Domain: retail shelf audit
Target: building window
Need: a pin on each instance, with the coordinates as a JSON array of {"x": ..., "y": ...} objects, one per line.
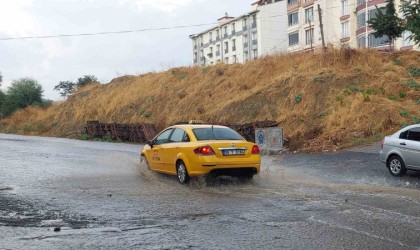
[
  {"x": 293, "y": 18},
  {"x": 254, "y": 21},
  {"x": 361, "y": 42},
  {"x": 201, "y": 40},
  {"x": 345, "y": 30},
  {"x": 234, "y": 59},
  {"x": 233, "y": 29},
  {"x": 245, "y": 41},
  {"x": 218, "y": 50},
  {"x": 293, "y": 38},
  {"x": 309, "y": 15},
  {"x": 376, "y": 42},
  {"x": 217, "y": 34},
  {"x": 195, "y": 57},
  {"x": 406, "y": 38},
  {"x": 359, "y": 2},
  {"x": 374, "y": 12},
  {"x": 344, "y": 7},
  {"x": 226, "y": 30},
  {"x": 226, "y": 60},
  {"x": 233, "y": 45},
  {"x": 226, "y": 47},
  {"x": 245, "y": 56},
  {"x": 292, "y": 2},
  {"x": 210, "y": 36},
  {"x": 244, "y": 24},
  {"x": 255, "y": 54},
  {"x": 309, "y": 36},
  {"x": 361, "y": 20}
]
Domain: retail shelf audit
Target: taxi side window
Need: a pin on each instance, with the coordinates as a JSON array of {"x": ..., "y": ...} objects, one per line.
[
  {"x": 186, "y": 138},
  {"x": 163, "y": 137},
  {"x": 404, "y": 135},
  {"x": 177, "y": 135}
]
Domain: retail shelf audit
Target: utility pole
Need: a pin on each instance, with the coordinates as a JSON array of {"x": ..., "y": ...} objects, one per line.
[{"x": 321, "y": 26}]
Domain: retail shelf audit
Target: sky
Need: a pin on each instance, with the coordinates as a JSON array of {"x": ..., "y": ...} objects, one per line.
[{"x": 52, "y": 60}]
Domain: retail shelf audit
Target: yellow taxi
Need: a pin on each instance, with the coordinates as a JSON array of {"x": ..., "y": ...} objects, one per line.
[{"x": 195, "y": 149}]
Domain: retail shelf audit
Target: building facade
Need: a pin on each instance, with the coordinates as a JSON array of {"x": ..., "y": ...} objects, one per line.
[
  {"x": 259, "y": 32},
  {"x": 344, "y": 24}
]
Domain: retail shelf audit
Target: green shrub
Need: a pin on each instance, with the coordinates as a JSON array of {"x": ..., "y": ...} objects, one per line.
[
  {"x": 319, "y": 79},
  {"x": 393, "y": 97},
  {"x": 403, "y": 113},
  {"x": 298, "y": 98},
  {"x": 403, "y": 95},
  {"x": 412, "y": 84},
  {"x": 415, "y": 119},
  {"x": 357, "y": 70},
  {"x": 415, "y": 72}
]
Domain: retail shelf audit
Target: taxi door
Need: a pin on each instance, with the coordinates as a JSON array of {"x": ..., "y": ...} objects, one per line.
[
  {"x": 157, "y": 152},
  {"x": 172, "y": 149}
]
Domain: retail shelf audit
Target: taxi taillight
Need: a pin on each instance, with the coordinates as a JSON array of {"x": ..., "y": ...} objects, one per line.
[
  {"x": 206, "y": 150},
  {"x": 255, "y": 149}
]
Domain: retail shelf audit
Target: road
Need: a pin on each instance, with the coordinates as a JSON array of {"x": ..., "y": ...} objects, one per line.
[{"x": 100, "y": 196}]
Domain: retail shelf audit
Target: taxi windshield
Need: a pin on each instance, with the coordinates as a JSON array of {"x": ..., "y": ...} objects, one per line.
[{"x": 205, "y": 134}]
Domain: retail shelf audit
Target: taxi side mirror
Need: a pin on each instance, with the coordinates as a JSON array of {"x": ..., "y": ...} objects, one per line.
[{"x": 150, "y": 143}]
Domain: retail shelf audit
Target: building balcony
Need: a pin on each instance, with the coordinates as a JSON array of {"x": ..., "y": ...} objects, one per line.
[
  {"x": 225, "y": 35},
  {"x": 217, "y": 38},
  {"x": 254, "y": 25},
  {"x": 307, "y": 3},
  {"x": 210, "y": 55},
  {"x": 343, "y": 18},
  {"x": 245, "y": 45},
  {"x": 195, "y": 46},
  {"x": 211, "y": 40},
  {"x": 234, "y": 48},
  {"x": 292, "y": 5},
  {"x": 254, "y": 42},
  {"x": 233, "y": 32},
  {"x": 244, "y": 28},
  {"x": 226, "y": 51},
  {"x": 217, "y": 53}
]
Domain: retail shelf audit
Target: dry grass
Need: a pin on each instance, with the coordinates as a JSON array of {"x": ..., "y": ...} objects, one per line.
[{"x": 323, "y": 101}]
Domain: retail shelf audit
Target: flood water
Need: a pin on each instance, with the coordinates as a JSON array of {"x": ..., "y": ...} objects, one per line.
[{"x": 99, "y": 196}]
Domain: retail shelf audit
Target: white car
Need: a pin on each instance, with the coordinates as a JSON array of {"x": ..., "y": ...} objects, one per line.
[{"x": 401, "y": 151}]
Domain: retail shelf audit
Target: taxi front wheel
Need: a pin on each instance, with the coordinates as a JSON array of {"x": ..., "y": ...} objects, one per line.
[{"x": 182, "y": 173}]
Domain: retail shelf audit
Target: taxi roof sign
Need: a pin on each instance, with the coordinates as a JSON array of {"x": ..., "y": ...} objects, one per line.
[{"x": 195, "y": 122}]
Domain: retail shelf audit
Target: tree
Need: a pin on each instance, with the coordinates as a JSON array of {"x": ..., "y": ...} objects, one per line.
[
  {"x": 21, "y": 94},
  {"x": 65, "y": 88},
  {"x": 1, "y": 78},
  {"x": 411, "y": 11},
  {"x": 388, "y": 24},
  {"x": 85, "y": 80}
]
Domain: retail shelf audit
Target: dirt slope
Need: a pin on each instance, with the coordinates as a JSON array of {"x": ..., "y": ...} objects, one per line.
[{"x": 323, "y": 102}]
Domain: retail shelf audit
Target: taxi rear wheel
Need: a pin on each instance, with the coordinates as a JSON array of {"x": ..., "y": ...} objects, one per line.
[{"x": 182, "y": 173}]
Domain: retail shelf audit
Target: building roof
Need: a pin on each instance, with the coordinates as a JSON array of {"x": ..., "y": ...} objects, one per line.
[{"x": 221, "y": 25}]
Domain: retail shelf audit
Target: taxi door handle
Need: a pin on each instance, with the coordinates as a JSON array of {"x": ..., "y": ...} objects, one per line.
[{"x": 403, "y": 143}]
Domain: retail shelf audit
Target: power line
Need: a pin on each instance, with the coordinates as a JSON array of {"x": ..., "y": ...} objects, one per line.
[{"x": 104, "y": 33}]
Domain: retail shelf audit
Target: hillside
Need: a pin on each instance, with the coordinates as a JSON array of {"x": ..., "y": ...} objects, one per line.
[{"x": 344, "y": 98}]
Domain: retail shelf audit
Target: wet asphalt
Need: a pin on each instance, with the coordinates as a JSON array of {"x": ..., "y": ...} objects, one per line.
[{"x": 69, "y": 194}]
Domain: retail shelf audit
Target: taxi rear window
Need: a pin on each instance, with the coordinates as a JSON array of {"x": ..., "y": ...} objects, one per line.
[{"x": 205, "y": 134}]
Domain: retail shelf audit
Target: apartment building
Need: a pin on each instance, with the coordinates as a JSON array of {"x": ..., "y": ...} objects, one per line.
[
  {"x": 344, "y": 23},
  {"x": 259, "y": 32}
]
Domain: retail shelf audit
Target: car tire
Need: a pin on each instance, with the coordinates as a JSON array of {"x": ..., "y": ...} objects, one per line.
[
  {"x": 246, "y": 178},
  {"x": 182, "y": 173},
  {"x": 396, "y": 166}
]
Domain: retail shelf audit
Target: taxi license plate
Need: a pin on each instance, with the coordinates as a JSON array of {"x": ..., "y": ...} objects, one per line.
[{"x": 229, "y": 152}]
